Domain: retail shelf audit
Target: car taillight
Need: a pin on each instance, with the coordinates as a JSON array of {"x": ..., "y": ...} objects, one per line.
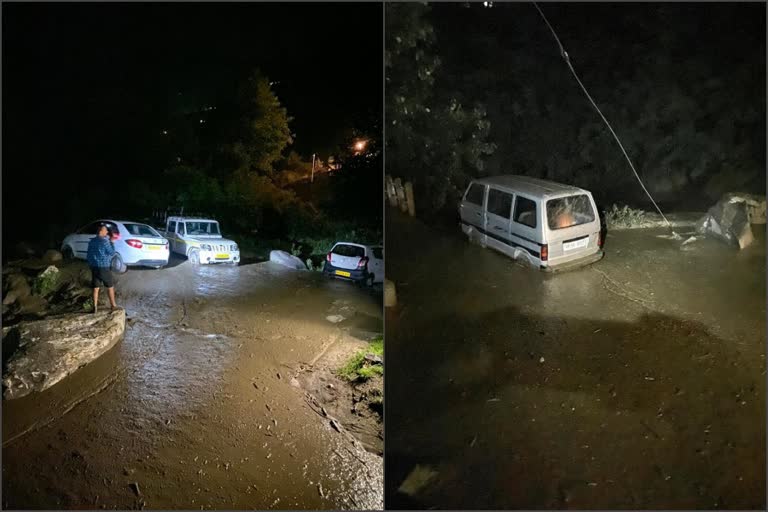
[
  {"x": 328, "y": 258},
  {"x": 135, "y": 243},
  {"x": 166, "y": 245},
  {"x": 363, "y": 262},
  {"x": 544, "y": 252}
]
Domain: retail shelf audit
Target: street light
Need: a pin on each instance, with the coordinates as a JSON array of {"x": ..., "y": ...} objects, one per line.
[{"x": 359, "y": 146}]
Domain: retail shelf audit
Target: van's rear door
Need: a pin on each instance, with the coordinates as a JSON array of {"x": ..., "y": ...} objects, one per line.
[{"x": 573, "y": 227}]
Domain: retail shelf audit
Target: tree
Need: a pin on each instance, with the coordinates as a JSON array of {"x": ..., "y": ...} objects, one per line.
[
  {"x": 432, "y": 139},
  {"x": 262, "y": 131}
]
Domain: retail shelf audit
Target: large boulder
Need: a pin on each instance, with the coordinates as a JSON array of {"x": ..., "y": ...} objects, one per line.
[
  {"x": 731, "y": 218},
  {"x": 37, "y": 355},
  {"x": 287, "y": 260},
  {"x": 52, "y": 256},
  {"x": 16, "y": 287}
]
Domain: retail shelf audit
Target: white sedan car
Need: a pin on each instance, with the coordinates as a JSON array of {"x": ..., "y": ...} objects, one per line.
[{"x": 136, "y": 244}]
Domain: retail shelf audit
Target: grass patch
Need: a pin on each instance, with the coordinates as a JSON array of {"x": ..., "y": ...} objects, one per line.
[{"x": 358, "y": 368}]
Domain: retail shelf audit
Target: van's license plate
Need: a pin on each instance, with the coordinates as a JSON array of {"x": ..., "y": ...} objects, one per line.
[
  {"x": 343, "y": 274},
  {"x": 576, "y": 244}
]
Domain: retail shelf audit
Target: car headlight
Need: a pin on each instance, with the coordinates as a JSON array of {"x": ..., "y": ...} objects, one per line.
[
  {"x": 234, "y": 247},
  {"x": 205, "y": 247}
]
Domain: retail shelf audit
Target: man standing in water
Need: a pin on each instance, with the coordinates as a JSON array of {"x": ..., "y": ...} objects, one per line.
[{"x": 100, "y": 254}]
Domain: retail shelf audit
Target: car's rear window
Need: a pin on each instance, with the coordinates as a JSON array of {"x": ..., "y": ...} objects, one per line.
[
  {"x": 349, "y": 250},
  {"x": 141, "y": 230},
  {"x": 566, "y": 212}
]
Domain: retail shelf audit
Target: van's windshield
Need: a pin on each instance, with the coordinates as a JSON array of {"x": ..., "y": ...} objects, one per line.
[{"x": 566, "y": 212}]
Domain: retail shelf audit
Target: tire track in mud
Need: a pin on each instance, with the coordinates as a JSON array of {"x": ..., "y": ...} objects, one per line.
[{"x": 614, "y": 287}]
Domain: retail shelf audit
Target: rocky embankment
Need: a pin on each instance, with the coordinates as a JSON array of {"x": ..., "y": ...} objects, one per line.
[{"x": 49, "y": 331}]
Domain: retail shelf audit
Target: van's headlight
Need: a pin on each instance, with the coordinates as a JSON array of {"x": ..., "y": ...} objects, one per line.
[
  {"x": 205, "y": 247},
  {"x": 234, "y": 247}
]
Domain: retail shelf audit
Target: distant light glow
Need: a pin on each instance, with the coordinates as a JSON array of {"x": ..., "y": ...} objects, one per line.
[
  {"x": 165, "y": 132},
  {"x": 359, "y": 146}
]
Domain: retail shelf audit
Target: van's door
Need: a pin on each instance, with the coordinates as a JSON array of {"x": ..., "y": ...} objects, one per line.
[
  {"x": 498, "y": 220},
  {"x": 472, "y": 211},
  {"x": 526, "y": 227},
  {"x": 181, "y": 244}
]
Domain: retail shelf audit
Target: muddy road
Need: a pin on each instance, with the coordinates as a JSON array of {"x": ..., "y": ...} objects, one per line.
[
  {"x": 198, "y": 407},
  {"x": 638, "y": 383}
]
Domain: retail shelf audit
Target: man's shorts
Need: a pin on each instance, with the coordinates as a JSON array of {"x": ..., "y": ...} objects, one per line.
[{"x": 101, "y": 275}]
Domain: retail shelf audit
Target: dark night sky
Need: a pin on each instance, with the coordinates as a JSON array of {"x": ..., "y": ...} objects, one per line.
[{"x": 86, "y": 87}]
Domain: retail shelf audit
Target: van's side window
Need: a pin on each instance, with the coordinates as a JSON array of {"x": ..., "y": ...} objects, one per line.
[
  {"x": 499, "y": 203},
  {"x": 525, "y": 212},
  {"x": 475, "y": 194},
  {"x": 172, "y": 226}
]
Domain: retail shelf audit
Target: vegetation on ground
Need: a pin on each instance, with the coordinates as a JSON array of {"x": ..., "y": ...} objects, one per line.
[
  {"x": 45, "y": 283},
  {"x": 624, "y": 217},
  {"x": 359, "y": 368}
]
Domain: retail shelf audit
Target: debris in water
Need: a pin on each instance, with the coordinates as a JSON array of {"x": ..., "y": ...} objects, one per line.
[
  {"x": 279, "y": 376},
  {"x": 650, "y": 378},
  {"x": 335, "y": 424},
  {"x": 417, "y": 479},
  {"x": 689, "y": 240},
  {"x": 493, "y": 400},
  {"x": 474, "y": 440},
  {"x": 295, "y": 382},
  {"x": 320, "y": 490},
  {"x": 334, "y": 319},
  {"x": 135, "y": 488},
  {"x": 541, "y": 360}
]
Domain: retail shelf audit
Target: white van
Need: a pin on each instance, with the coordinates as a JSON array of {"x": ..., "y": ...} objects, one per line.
[{"x": 550, "y": 225}]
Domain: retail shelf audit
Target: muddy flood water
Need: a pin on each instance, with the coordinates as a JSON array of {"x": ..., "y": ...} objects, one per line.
[
  {"x": 638, "y": 383},
  {"x": 197, "y": 407}
]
